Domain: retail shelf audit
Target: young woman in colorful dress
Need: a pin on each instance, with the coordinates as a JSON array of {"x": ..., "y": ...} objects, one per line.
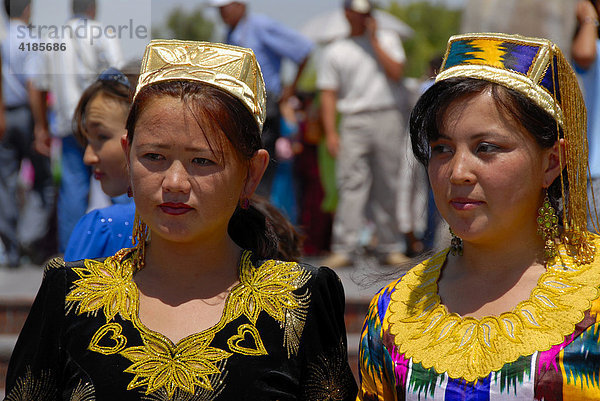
[
  {"x": 199, "y": 309},
  {"x": 509, "y": 310}
]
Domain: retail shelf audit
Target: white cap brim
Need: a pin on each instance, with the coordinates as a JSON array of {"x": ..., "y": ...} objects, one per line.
[{"x": 221, "y": 3}]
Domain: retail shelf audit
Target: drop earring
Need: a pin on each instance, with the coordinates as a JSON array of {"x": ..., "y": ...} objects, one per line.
[
  {"x": 140, "y": 235},
  {"x": 456, "y": 244},
  {"x": 548, "y": 227}
]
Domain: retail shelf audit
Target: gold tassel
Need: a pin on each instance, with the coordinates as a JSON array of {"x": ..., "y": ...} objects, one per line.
[
  {"x": 140, "y": 235},
  {"x": 575, "y": 206}
]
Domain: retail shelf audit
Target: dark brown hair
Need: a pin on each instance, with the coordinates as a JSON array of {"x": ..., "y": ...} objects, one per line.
[
  {"x": 426, "y": 119},
  {"x": 114, "y": 90},
  {"x": 249, "y": 228}
]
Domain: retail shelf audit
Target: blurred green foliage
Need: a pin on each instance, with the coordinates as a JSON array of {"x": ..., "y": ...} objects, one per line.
[
  {"x": 186, "y": 25},
  {"x": 433, "y": 23}
]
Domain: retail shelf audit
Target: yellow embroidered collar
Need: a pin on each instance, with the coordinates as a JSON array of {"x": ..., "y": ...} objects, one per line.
[{"x": 469, "y": 348}]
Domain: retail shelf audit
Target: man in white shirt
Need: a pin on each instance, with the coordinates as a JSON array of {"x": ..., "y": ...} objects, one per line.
[
  {"x": 68, "y": 73},
  {"x": 23, "y": 112},
  {"x": 359, "y": 78}
]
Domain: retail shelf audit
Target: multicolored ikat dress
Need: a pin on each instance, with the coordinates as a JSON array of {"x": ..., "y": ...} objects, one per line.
[
  {"x": 281, "y": 337},
  {"x": 547, "y": 348}
]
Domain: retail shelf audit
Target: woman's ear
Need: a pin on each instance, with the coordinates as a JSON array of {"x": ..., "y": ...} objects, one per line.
[
  {"x": 256, "y": 169},
  {"x": 126, "y": 148},
  {"x": 555, "y": 160}
]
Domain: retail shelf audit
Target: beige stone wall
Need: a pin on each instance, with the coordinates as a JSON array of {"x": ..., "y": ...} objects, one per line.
[{"x": 552, "y": 19}]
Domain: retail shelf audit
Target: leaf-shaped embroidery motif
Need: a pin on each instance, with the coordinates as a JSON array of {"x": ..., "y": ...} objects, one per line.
[
  {"x": 105, "y": 286},
  {"x": 160, "y": 365}
]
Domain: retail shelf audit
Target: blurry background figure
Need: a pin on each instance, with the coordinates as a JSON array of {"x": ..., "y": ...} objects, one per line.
[
  {"x": 358, "y": 78},
  {"x": 283, "y": 189},
  {"x": 272, "y": 42},
  {"x": 99, "y": 123},
  {"x": 315, "y": 175},
  {"x": 25, "y": 222},
  {"x": 436, "y": 229},
  {"x": 551, "y": 19},
  {"x": 585, "y": 57},
  {"x": 68, "y": 73}
]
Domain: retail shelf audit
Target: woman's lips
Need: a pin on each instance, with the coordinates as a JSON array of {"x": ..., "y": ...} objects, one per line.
[
  {"x": 98, "y": 175},
  {"x": 465, "y": 203},
  {"x": 175, "y": 208}
]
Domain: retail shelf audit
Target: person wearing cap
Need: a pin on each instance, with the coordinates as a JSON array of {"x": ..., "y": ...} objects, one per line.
[
  {"x": 199, "y": 308},
  {"x": 358, "y": 77},
  {"x": 509, "y": 311},
  {"x": 272, "y": 42}
]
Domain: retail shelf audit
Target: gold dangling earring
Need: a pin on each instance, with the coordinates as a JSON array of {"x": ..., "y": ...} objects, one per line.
[
  {"x": 456, "y": 245},
  {"x": 548, "y": 227},
  {"x": 139, "y": 236}
]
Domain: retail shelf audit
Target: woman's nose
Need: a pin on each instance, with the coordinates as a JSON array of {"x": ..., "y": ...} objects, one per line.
[
  {"x": 89, "y": 156},
  {"x": 461, "y": 169},
  {"x": 176, "y": 178}
]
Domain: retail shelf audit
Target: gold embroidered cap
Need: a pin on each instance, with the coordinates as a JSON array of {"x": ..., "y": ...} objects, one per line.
[
  {"x": 537, "y": 69},
  {"x": 230, "y": 68}
]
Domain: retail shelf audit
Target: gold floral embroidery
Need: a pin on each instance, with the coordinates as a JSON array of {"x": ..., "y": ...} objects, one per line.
[
  {"x": 217, "y": 382},
  {"x": 191, "y": 364},
  {"x": 235, "y": 341},
  {"x": 83, "y": 392},
  {"x": 54, "y": 263},
  {"x": 329, "y": 378},
  {"x": 470, "y": 348},
  {"x": 157, "y": 364},
  {"x": 110, "y": 332},
  {"x": 30, "y": 387},
  {"x": 104, "y": 285},
  {"x": 270, "y": 289}
]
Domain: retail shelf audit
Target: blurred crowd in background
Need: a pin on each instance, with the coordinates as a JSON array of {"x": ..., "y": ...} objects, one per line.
[{"x": 342, "y": 171}]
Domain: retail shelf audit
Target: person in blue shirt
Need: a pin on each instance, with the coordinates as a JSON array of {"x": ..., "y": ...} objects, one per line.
[
  {"x": 99, "y": 120},
  {"x": 585, "y": 50},
  {"x": 271, "y": 42}
]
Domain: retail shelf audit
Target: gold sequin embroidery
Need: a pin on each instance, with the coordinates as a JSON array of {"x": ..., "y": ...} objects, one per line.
[
  {"x": 30, "y": 387},
  {"x": 106, "y": 286},
  {"x": 83, "y": 392},
  {"x": 157, "y": 365},
  {"x": 328, "y": 378},
  {"x": 191, "y": 364},
  {"x": 109, "y": 333},
  {"x": 247, "y": 333},
  {"x": 270, "y": 288},
  {"x": 470, "y": 348}
]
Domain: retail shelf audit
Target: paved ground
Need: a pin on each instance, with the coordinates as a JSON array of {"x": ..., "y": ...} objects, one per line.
[{"x": 360, "y": 281}]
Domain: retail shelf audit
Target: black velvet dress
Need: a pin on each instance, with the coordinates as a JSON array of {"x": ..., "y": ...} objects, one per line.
[{"x": 281, "y": 337}]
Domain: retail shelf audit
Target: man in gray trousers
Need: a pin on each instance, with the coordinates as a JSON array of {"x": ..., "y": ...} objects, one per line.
[{"x": 359, "y": 78}]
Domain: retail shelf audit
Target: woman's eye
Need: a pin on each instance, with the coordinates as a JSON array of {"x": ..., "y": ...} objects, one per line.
[
  {"x": 440, "y": 148},
  {"x": 153, "y": 156},
  {"x": 486, "y": 147},
  {"x": 201, "y": 161}
]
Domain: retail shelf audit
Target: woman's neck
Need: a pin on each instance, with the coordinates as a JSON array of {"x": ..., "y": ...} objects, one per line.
[{"x": 215, "y": 259}]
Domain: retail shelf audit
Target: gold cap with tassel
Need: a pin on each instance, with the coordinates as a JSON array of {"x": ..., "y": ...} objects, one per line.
[{"x": 537, "y": 69}]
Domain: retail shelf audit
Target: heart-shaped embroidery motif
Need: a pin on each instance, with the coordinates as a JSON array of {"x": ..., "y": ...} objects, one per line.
[
  {"x": 110, "y": 331},
  {"x": 255, "y": 347}
]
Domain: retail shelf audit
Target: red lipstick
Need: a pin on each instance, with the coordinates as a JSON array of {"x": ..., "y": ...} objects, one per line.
[
  {"x": 465, "y": 203},
  {"x": 175, "y": 208}
]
